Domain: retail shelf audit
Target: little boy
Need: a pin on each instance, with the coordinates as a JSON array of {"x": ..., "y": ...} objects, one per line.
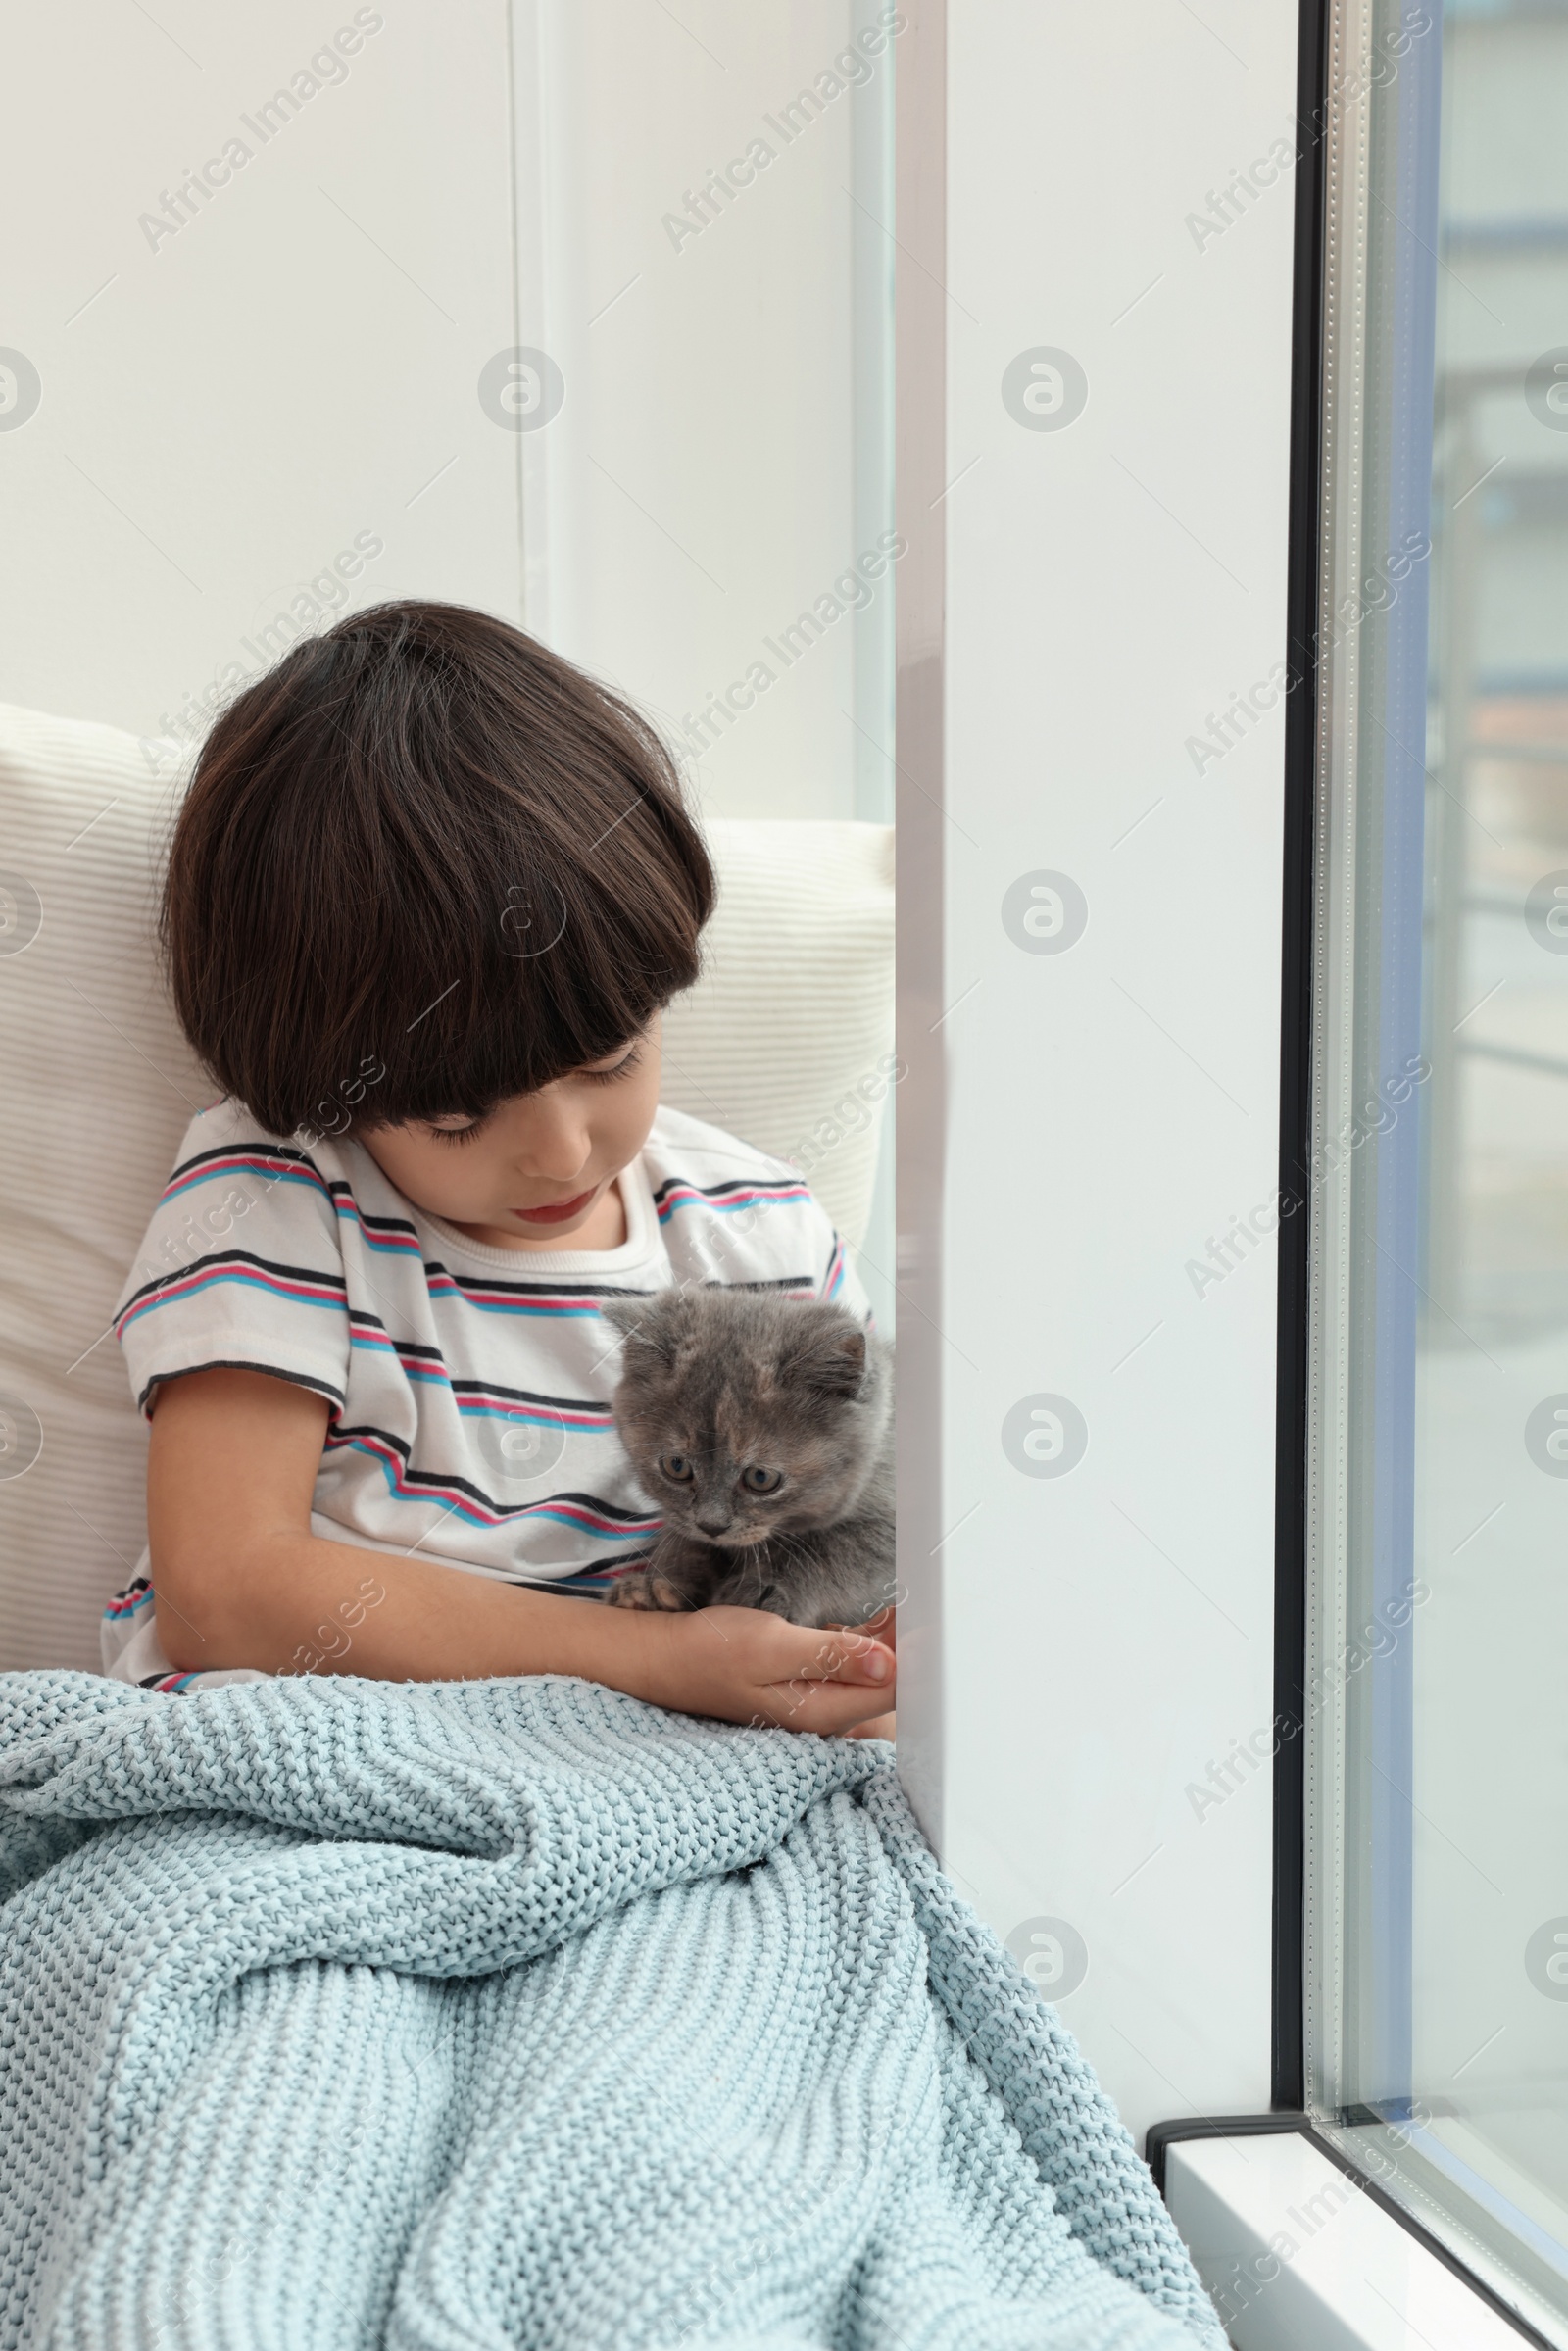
[{"x": 428, "y": 895}]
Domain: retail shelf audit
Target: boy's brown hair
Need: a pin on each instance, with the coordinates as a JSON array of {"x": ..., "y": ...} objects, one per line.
[{"x": 424, "y": 864}]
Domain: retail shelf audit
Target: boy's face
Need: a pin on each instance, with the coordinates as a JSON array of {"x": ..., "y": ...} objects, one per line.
[{"x": 538, "y": 1172}]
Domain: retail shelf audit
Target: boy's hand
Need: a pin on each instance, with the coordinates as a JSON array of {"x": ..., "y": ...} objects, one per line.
[
  {"x": 885, "y": 1626},
  {"x": 744, "y": 1665}
]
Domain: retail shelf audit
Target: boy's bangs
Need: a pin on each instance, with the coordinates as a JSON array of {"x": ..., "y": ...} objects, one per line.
[{"x": 509, "y": 1025}]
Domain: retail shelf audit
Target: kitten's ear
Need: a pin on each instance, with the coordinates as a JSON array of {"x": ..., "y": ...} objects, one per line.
[
  {"x": 831, "y": 1357},
  {"x": 644, "y": 1323},
  {"x": 623, "y": 1313}
]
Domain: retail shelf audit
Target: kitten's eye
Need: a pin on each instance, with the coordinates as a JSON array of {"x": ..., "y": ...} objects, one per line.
[
  {"x": 676, "y": 1467},
  {"x": 762, "y": 1481}
]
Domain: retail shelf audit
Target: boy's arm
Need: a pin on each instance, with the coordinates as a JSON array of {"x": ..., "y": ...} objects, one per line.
[{"x": 240, "y": 1580}]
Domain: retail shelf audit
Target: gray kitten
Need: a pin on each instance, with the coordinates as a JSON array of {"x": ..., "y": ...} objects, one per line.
[{"x": 763, "y": 1427}]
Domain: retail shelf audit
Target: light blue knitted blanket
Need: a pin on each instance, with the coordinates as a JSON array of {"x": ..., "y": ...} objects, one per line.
[{"x": 334, "y": 2015}]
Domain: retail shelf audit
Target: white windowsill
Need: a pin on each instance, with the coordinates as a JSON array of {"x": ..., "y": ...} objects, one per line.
[{"x": 1298, "y": 2259}]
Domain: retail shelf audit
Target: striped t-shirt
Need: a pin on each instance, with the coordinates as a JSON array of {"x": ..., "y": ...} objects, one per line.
[{"x": 469, "y": 1387}]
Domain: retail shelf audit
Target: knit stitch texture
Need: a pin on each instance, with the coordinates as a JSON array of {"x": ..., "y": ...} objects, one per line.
[{"x": 335, "y": 2014}]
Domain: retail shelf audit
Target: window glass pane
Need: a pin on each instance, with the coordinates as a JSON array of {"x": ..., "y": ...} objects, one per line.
[{"x": 1438, "y": 1732}]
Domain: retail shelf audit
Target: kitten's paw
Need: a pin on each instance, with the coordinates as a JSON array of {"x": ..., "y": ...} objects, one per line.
[
  {"x": 630, "y": 1593},
  {"x": 645, "y": 1590}
]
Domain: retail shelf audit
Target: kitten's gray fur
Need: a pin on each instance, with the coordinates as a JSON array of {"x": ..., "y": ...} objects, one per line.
[{"x": 723, "y": 1381}]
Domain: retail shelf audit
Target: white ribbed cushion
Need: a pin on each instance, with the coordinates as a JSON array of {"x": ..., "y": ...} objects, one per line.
[
  {"x": 97, "y": 1086},
  {"x": 785, "y": 1038}
]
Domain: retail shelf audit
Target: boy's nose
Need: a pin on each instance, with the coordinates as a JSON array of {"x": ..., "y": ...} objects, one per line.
[
  {"x": 557, "y": 1151},
  {"x": 551, "y": 1167}
]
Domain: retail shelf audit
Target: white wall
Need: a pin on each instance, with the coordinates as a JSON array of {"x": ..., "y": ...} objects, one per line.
[
  {"x": 721, "y": 457},
  {"x": 1093, "y": 1640},
  {"x": 227, "y": 402},
  {"x": 224, "y": 407}
]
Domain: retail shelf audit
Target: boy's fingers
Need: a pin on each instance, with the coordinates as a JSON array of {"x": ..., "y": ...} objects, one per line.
[
  {"x": 830, "y": 1708},
  {"x": 824, "y": 1680},
  {"x": 849, "y": 1657},
  {"x": 775, "y": 1650}
]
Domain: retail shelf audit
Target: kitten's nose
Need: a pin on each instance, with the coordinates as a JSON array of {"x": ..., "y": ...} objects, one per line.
[{"x": 714, "y": 1521}]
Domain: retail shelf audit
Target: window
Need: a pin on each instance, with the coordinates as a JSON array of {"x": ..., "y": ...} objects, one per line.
[{"x": 1437, "y": 1745}]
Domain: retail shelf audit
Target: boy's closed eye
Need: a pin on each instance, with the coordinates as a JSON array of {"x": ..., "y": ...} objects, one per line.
[
  {"x": 461, "y": 1126},
  {"x": 535, "y": 1170}
]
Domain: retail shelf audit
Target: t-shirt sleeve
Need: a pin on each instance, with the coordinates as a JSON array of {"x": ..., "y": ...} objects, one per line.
[{"x": 240, "y": 1267}]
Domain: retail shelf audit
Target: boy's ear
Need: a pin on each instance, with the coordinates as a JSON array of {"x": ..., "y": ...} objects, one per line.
[{"x": 830, "y": 1355}]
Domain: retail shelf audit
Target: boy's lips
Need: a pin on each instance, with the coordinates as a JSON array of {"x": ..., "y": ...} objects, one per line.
[{"x": 556, "y": 1211}]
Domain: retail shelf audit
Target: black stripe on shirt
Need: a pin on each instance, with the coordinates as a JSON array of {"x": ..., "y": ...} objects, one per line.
[
  {"x": 530, "y": 1395},
  {"x": 233, "y": 1257},
  {"x": 340, "y": 1437},
  {"x": 783, "y": 1281},
  {"x": 464, "y": 1282},
  {"x": 731, "y": 1184},
  {"x": 254, "y": 1146},
  {"x": 372, "y": 1224},
  {"x": 272, "y": 1371}
]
